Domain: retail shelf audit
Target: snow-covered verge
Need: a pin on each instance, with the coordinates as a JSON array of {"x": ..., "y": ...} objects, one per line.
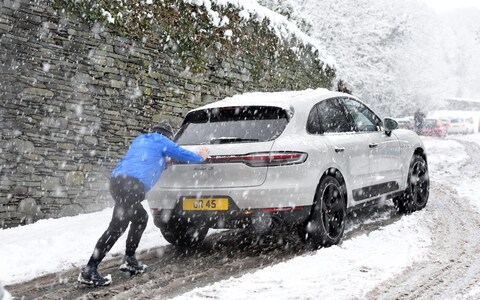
[
  {"x": 347, "y": 271},
  {"x": 468, "y": 186},
  {"x": 4, "y": 295},
  {"x": 448, "y": 152},
  {"x": 53, "y": 245}
]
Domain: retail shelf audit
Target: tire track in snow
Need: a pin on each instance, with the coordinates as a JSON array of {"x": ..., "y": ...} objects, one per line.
[{"x": 452, "y": 267}]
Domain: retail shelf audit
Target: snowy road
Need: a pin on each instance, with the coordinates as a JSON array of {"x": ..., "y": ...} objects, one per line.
[
  {"x": 452, "y": 267},
  {"x": 431, "y": 254},
  {"x": 173, "y": 271}
]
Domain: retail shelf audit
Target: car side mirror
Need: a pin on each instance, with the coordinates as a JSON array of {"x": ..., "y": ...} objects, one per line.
[{"x": 390, "y": 125}]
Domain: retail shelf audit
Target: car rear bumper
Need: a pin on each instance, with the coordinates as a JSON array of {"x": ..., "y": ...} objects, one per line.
[
  {"x": 242, "y": 197},
  {"x": 257, "y": 206},
  {"x": 235, "y": 218}
]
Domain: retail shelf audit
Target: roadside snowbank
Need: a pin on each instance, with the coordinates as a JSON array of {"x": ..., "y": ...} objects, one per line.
[{"x": 53, "y": 245}]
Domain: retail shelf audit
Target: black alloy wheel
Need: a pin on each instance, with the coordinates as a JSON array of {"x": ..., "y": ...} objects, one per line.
[
  {"x": 326, "y": 223},
  {"x": 416, "y": 194}
]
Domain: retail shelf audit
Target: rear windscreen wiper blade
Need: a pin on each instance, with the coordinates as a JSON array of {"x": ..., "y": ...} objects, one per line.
[{"x": 226, "y": 140}]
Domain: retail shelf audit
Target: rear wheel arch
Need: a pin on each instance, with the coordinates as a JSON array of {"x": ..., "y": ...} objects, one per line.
[{"x": 339, "y": 176}]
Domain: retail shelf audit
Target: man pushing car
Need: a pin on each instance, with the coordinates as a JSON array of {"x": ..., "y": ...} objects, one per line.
[{"x": 132, "y": 178}]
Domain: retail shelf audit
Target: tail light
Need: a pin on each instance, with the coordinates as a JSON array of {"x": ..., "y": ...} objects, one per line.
[{"x": 262, "y": 159}]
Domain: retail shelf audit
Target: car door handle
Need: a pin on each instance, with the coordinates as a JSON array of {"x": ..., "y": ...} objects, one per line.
[
  {"x": 338, "y": 150},
  {"x": 373, "y": 145}
]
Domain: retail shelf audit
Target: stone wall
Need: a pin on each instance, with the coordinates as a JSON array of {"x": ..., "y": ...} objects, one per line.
[{"x": 73, "y": 96}]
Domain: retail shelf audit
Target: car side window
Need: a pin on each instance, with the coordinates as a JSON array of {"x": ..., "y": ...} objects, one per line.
[
  {"x": 333, "y": 117},
  {"x": 313, "y": 122},
  {"x": 364, "y": 118}
]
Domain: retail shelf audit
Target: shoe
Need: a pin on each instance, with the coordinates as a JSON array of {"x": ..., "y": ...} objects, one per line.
[
  {"x": 90, "y": 276},
  {"x": 132, "y": 265}
]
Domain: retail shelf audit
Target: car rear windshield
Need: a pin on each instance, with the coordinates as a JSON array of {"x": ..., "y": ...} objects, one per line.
[{"x": 245, "y": 124}]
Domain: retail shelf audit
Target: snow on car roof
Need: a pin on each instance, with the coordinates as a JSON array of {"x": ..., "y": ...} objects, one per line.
[{"x": 279, "y": 99}]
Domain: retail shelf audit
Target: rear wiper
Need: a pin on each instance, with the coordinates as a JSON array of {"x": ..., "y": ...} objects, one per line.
[{"x": 226, "y": 140}]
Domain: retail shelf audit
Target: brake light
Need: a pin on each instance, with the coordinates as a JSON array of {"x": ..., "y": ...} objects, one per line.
[{"x": 262, "y": 159}]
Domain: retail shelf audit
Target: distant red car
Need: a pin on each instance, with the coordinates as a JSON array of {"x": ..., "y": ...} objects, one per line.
[{"x": 434, "y": 127}]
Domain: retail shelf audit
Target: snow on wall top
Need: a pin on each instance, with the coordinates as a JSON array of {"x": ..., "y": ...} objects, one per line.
[
  {"x": 251, "y": 10},
  {"x": 280, "y": 25}
]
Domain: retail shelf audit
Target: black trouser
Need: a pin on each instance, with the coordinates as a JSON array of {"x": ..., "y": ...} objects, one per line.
[{"x": 128, "y": 193}]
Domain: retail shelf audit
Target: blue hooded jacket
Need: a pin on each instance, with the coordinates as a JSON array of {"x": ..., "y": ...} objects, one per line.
[{"x": 146, "y": 158}]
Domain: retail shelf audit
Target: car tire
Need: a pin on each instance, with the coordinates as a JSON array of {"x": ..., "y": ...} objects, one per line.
[
  {"x": 416, "y": 194},
  {"x": 326, "y": 223},
  {"x": 183, "y": 233}
]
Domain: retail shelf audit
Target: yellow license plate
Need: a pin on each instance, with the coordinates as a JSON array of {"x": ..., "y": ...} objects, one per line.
[{"x": 205, "y": 203}]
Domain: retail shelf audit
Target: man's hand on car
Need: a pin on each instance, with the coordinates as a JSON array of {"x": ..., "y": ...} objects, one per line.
[{"x": 203, "y": 153}]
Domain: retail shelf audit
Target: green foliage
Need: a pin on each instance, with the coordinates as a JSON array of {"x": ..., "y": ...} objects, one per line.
[
  {"x": 90, "y": 10},
  {"x": 187, "y": 30}
]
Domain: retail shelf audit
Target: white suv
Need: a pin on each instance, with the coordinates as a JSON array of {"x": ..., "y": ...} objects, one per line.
[{"x": 303, "y": 158}]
